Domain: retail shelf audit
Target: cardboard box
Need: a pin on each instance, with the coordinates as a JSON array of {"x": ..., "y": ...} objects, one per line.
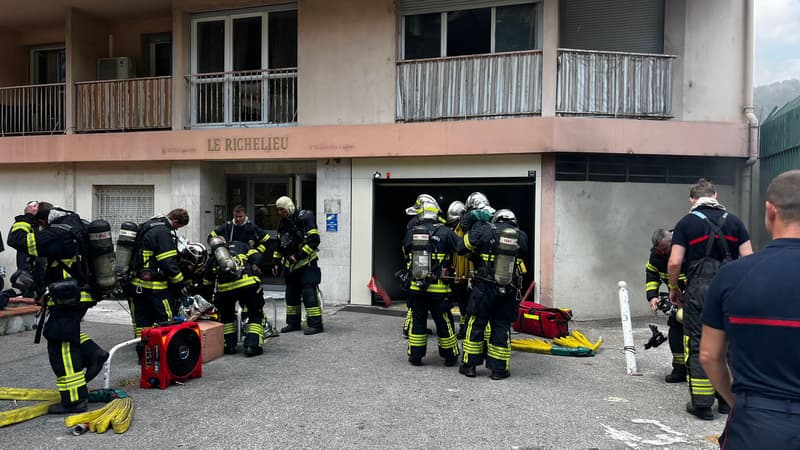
[{"x": 212, "y": 339}]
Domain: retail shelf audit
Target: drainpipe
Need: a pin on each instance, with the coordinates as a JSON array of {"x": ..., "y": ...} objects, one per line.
[{"x": 750, "y": 117}]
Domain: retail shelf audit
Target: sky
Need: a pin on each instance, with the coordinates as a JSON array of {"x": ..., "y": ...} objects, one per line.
[{"x": 777, "y": 30}]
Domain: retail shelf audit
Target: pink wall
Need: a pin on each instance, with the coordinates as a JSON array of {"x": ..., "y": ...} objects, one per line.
[
  {"x": 479, "y": 137},
  {"x": 13, "y": 71},
  {"x": 128, "y": 37}
]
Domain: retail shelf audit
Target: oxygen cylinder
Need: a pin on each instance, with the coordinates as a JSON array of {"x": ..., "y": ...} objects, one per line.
[
  {"x": 126, "y": 243},
  {"x": 506, "y": 256},
  {"x": 420, "y": 253},
  {"x": 101, "y": 253},
  {"x": 222, "y": 255}
]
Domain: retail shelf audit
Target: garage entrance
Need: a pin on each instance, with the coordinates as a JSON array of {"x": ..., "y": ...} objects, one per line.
[{"x": 392, "y": 197}]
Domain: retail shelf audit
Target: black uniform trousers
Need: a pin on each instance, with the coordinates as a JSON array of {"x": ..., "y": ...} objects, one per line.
[
  {"x": 762, "y": 423},
  {"x": 700, "y": 387},
  {"x": 488, "y": 306},
  {"x": 438, "y": 306},
  {"x": 301, "y": 285},
  {"x": 249, "y": 297},
  {"x": 151, "y": 307},
  {"x": 675, "y": 339},
  {"x": 69, "y": 351}
]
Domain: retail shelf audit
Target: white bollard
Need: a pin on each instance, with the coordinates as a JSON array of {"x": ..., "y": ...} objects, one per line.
[{"x": 627, "y": 329}]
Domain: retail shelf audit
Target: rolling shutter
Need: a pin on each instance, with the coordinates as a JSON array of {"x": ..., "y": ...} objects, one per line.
[
  {"x": 635, "y": 26},
  {"x": 409, "y": 7}
]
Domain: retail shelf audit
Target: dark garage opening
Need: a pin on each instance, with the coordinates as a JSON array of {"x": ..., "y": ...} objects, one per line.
[{"x": 392, "y": 197}]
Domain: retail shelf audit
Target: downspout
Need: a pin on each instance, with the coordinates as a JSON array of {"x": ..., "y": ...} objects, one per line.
[{"x": 750, "y": 117}]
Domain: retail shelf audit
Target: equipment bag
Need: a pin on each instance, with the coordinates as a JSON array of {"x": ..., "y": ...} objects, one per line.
[{"x": 540, "y": 320}]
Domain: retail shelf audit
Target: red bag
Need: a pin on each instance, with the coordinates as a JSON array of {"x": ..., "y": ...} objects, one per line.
[{"x": 540, "y": 320}]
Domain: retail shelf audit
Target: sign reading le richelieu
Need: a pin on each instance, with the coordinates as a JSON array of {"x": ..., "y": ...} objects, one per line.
[{"x": 245, "y": 144}]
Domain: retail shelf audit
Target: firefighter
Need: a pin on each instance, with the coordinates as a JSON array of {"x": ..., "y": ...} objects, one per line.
[
  {"x": 229, "y": 277},
  {"x": 427, "y": 248},
  {"x": 296, "y": 256},
  {"x": 62, "y": 237},
  {"x": 495, "y": 250},
  {"x": 461, "y": 267},
  {"x": 655, "y": 274},
  {"x": 414, "y": 211},
  {"x": 157, "y": 280},
  {"x": 702, "y": 241},
  {"x": 241, "y": 229},
  {"x": 193, "y": 257}
]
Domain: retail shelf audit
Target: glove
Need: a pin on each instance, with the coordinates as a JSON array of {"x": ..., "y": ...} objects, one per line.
[
  {"x": 180, "y": 289},
  {"x": 276, "y": 270},
  {"x": 256, "y": 270}
]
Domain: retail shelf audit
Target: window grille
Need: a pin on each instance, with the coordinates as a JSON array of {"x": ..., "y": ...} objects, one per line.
[{"x": 118, "y": 204}]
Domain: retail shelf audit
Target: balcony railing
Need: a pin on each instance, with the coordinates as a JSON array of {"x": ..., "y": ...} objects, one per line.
[
  {"x": 614, "y": 84},
  {"x": 35, "y": 109},
  {"x": 495, "y": 85},
  {"x": 132, "y": 104},
  {"x": 244, "y": 98}
]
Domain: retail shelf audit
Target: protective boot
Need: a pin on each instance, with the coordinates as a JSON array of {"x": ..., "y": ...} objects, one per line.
[
  {"x": 678, "y": 375},
  {"x": 701, "y": 412},
  {"x": 252, "y": 350},
  {"x": 95, "y": 365},
  {"x": 313, "y": 330},
  {"x": 467, "y": 371},
  {"x": 71, "y": 408},
  {"x": 290, "y": 327},
  {"x": 722, "y": 406},
  {"x": 500, "y": 374}
]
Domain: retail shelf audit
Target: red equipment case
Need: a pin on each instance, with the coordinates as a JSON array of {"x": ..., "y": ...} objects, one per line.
[
  {"x": 539, "y": 320},
  {"x": 171, "y": 353}
]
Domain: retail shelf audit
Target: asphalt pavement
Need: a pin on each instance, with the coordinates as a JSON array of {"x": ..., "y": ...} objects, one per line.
[{"x": 352, "y": 387}]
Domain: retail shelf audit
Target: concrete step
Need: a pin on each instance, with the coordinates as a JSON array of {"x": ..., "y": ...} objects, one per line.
[{"x": 19, "y": 315}]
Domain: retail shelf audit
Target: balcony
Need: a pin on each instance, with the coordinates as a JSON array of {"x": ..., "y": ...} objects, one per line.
[
  {"x": 121, "y": 105},
  {"x": 35, "y": 109},
  {"x": 614, "y": 84},
  {"x": 491, "y": 85},
  {"x": 243, "y": 98}
]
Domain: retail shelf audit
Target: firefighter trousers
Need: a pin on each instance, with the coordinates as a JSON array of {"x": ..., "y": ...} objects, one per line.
[
  {"x": 700, "y": 388},
  {"x": 423, "y": 303},
  {"x": 149, "y": 308},
  {"x": 249, "y": 297},
  {"x": 489, "y": 306},
  {"x": 302, "y": 286}
]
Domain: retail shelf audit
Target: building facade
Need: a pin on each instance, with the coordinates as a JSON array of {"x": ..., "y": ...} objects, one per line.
[{"x": 590, "y": 119}]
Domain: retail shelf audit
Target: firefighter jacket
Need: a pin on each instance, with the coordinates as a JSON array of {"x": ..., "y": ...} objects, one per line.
[
  {"x": 442, "y": 242},
  {"x": 298, "y": 241},
  {"x": 155, "y": 260},
  {"x": 481, "y": 243},
  {"x": 65, "y": 244},
  {"x": 655, "y": 273},
  {"x": 215, "y": 281},
  {"x": 248, "y": 232}
]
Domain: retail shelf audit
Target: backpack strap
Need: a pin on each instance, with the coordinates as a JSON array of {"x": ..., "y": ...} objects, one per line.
[{"x": 716, "y": 229}]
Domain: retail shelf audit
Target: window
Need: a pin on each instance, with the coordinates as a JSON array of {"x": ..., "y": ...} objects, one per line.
[
  {"x": 244, "y": 68},
  {"x": 157, "y": 54},
  {"x": 48, "y": 64},
  {"x": 117, "y": 204},
  {"x": 470, "y": 31},
  {"x": 645, "y": 169}
]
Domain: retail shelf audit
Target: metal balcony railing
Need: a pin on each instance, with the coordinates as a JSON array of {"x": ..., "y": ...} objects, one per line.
[
  {"x": 34, "y": 109},
  {"x": 132, "y": 104},
  {"x": 244, "y": 98},
  {"x": 493, "y": 85},
  {"x": 614, "y": 84}
]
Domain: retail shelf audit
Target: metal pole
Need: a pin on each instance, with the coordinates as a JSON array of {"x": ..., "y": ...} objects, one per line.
[
  {"x": 627, "y": 329},
  {"x": 107, "y": 365}
]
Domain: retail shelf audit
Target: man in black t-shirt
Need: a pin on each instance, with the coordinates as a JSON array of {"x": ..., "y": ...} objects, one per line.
[
  {"x": 753, "y": 312},
  {"x": 703, "y": 240}
]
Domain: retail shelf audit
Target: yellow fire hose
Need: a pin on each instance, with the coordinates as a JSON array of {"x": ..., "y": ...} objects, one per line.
[
  {"x": 574, "y": 345},
  {"x": 118, "y": 413}
]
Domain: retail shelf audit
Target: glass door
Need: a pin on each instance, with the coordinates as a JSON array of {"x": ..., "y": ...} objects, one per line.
[{"x": 264, "y": 192}]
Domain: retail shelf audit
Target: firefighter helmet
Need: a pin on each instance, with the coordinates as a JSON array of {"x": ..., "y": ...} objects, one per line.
[
  {"x": 505, "y": 215},
  {"x": 428, "y": 211},
  {"x": 415, "y": 209},
  {"x": 476, "y": 200},
  {"x": 286, "y": 203},
  {"x": 195, "y": 253},
  {"x": 454, "y": 212}
]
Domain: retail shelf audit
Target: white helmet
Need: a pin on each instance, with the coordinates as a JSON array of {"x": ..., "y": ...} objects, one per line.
[
  {"x": 476, "y": 200},
  {"x": 505, "y": 215},
  {"x": 416, "y": 208},
  {"x": 286, "y": 203}
]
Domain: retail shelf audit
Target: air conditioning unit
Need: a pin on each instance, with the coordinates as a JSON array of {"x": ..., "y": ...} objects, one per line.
[{"x": 118, "y": 68}]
